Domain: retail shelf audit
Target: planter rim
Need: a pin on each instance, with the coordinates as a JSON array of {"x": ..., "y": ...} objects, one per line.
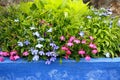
[{"x": 67, "y": 61}]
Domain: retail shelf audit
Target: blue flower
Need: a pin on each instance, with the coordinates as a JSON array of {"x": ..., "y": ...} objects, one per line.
[
  {"x": 53, "y": 59},
  {"x": 20, "y": 44},
  {"x": 56, "y": 47},
  {"x": 26, "y": 42},
  {"x": 52, "y": 44},
  {"x": 48, "y": 53},
  {"x": 40, "y": 39},
  {"x": 34, "y": 52},
  {"x": 54, "y": 54},
  {"x": 41, "y": 53},
  {"x": 35, "y": 58},
  {"x": 48, "y": 62},
  {"x": 81, "y": 33}
]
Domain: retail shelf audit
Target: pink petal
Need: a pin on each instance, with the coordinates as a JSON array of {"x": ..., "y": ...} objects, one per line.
[
  {"x": 70, "y": 44},
  {"x": 83, "y": 41},
  {"x": 68, "y": 52},
  {"x": 13, "y": 53},
  {"x": 25, "y": 53},
  {"x": 62, "y": 38},
  {"x": 77, "y": 41},
  {"x": 91, "y": 38},
  {"x": 87, "y": 58},
  {"x": 1, "y": 59},
  {"x": 94, "y": 51}
]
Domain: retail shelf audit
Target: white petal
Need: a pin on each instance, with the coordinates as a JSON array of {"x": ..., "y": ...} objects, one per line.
[{"x": 50, "y": 30}]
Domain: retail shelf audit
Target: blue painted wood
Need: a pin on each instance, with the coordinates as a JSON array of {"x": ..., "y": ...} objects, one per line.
[{"x": 96, "y": 69}]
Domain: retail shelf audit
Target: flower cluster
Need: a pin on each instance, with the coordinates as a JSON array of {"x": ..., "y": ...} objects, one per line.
[{"x": 78, "y": 46}]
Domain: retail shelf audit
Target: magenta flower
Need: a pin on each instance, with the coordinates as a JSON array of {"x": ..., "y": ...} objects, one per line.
[
  {"x": 13, "y": 53},
  {"x": 87, "y": 58},
  {"x": 91, "y": 38},
  {"x": 12, "y": 58},
  {"x": 77, "y": 41},
  {"x": 83, "y": 42},
  {"x": 16, "y": 57},
  {"x": 62, "y": 38},
  {"x": 1, "y": 59},
  {"x": 25, "y": 53},
  {"x": 69, "y": 44},
  {"x": 64, "y": 48},
  {"x": 91, "y": 45},
  {"x": 94, "y": 51},
  {"x": 68, "y": 52},
  {"x": 4, "y": 53},
  {"x": 66, "y": 57},
  {"x": 81, "y": 52},
  {"x": 71, "y": 39}
]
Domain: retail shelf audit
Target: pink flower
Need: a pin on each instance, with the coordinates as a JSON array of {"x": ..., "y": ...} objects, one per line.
[
  {"x": 1, "y": 59},
  {"x": 66, "y": 57},
  {"x": 87, "y": 58},
  {"x": 12, "y": 58},
  {"x": 81, "y": 52},
  {"x": 62, "y": 38},
  {"x": 94, "y": 51},
  {"x": 77, "y": 41},
  {"x": 25, "y": 53},
  {"x": 64, "y": 48},
  {"x": 83, "y": 41},
  {"x": 92, "y": 46},
  {"x": 71, "y": 39},
  {"x": 4, "y": 53},
  {"x": 91, "y": 38},
  {"x": 68, "y": 52},
  {"x": 69, "y": 44},
  {"x": 16, "y": 57},
  {"x": 13, "y": 53}
]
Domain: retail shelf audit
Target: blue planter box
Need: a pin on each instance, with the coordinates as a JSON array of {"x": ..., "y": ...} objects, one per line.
[{"x": 96, "y": 69}]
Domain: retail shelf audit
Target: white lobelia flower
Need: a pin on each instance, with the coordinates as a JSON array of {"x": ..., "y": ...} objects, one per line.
[
  {"x": 16, "y": 20},
  {"x": 35, "y": 58},
  {"x": 36, "y": 34},
  {"x": 32, "y": 28},
  {"x": 39, "y": 46},
  {"x": 107, "y": 54},
  {"x": 119, "y": 22},
  {"x": 40, "y": 39},
  {"x": 50, "y": 30}
]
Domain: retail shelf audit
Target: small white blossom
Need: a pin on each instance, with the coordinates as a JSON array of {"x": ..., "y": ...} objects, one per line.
[
  {"x": 36, "y": 34},
  {"x": 107, "y": 54},
  {"x": 39, "y": 46},
  {"x": 119, "y": 22},
  {"x": 50, "y": 30},
  {"x": 40, "y": 39},
  {"x": 16, "y": 20},
  {"x": 32, "y": 28}
]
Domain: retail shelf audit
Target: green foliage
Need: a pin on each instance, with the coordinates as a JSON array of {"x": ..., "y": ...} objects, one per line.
[{"x": 65, "y": 18}]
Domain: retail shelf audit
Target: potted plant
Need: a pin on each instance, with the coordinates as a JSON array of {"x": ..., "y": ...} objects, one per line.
[{"x": 50, "y": 32}]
